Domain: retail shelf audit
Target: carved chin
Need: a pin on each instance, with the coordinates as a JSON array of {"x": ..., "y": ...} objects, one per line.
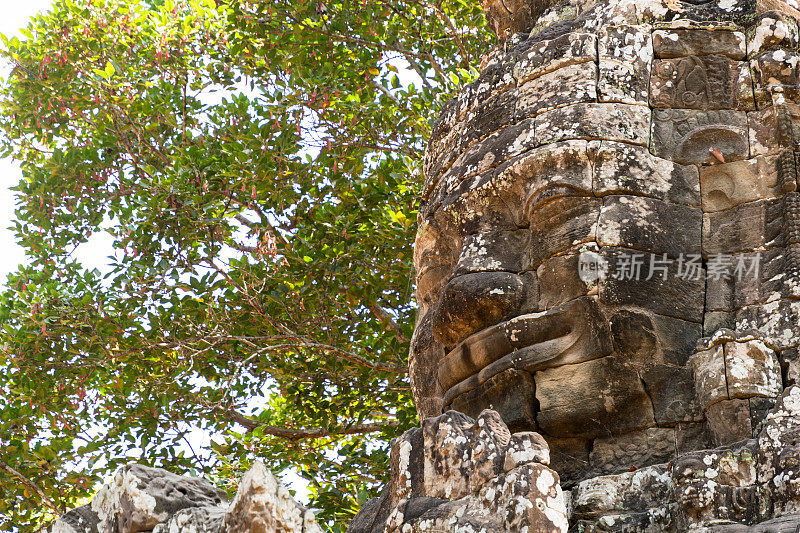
[{"x": 573, "y": 332}]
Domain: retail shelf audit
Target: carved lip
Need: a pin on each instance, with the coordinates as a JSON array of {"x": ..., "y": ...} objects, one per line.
[{"x": 572, "y": 332}]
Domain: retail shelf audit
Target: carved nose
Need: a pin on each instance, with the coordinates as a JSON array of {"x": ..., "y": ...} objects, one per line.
[{"x": 472, "y": 302}]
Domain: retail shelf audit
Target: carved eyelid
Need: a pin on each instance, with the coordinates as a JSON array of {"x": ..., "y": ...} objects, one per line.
[{"x": 544, "y": 195}]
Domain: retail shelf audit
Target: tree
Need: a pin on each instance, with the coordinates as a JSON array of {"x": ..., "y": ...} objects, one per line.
[{"x": 254, "y": 167}]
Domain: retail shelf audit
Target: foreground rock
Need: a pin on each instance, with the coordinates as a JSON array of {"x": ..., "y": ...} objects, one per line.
[
  {"x": 459, "y": 474},
  {"x": 145, "y": 499}
]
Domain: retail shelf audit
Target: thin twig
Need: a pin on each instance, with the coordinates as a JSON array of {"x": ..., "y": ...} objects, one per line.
[
  {"x": 31, "y": 485},
  {"x": 308, "y": 433}
]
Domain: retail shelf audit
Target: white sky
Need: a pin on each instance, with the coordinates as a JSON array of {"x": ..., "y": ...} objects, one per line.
[{"x": 15, "y": 16}]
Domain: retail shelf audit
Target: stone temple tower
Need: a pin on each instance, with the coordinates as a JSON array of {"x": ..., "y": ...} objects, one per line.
[{"x": 608, "y": 274}]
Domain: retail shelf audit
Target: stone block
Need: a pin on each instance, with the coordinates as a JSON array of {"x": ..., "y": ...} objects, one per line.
[
  {"x": 625, "y": 54},
  {"x": 779, "y": 454},
  {"x": 627, "y": 169},
  {"x": 600, "y": 121},
  {"x": 774, "y": 29},
  {"x": 717, "y": 486},
  {"x": 553, "y": 54},
  {"x": 636, "y": 449},
  {"x": 729, "y": 421},
  {"x": 775, "y": 74},
  {"x": 746, "y": 228},
  {"x": 701, "y": 82},
  {"x": 671, "y": 389},
  {"x": 493, "y": 252},
  {"x": 638, "y": 490},
  {"x": 728, "y": 185},
  {"x": 571, "y": 84},
  {"x": 752, "y": 369},
  {"x": 548, "y": 172},
  {"x": 487, "y": 153},
  {"x": 590, "y": 399},
  {"x": 775, "y": 321},
  {"x": 569, "y": 457},
  {"x": 649, "y": 225},
  {"x": 140, "y": 497},
  {"x": 511, "y": 393},
  {"x": 680, "y": 295},
  {"x": 487, "y": 118},
  {"x": 683, "y": 42},
  {"x": 709, "y": 375},
  {"x": 687, "y": 136},
  {"x": 472, "y": 302},
  {"x": 558, "y": 224},
  {"x": 774, "y": 129}
]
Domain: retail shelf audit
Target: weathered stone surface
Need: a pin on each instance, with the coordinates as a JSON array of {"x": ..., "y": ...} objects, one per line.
[
  {"x": 460, "y": 474},
  {"x": 570, "y": 458},
  {"x": 638, "y": 490},
  {"x": 626, "y": 169},
  {"x": 688, "y": 136},
  {"x": 262, "y": 503},
  {"x": 776, "y": 322},
  {"x": 685, "y": 42},
  {"x": 561, "y": 223},
  {"x": 568, "y": 85},
  {"x": 587, "y": 399},
  {"x": 195, "y": 520},
  {"x": 624, "y": 57},
  {"x": 745, "y": 228},
  {"x": 774, "y": 129},
  {"x": 657, "y": 186},
  {"x": 751, "y": 369},
  {"x": 729, "y": 421},
  {"x": 139, "y": 498},
  {"x": 649, "y": 225},
  {"x": 550, "y": 55},
  {"x": 779, "y": 456},
  {"x": 714, "y": 486},
  {"x": 680, "y": 296},
  {"x": 774, "y": 29},
  {"x": 606, "y": 122},
  {"x": 701, "y": 82},
  {"x": 775, "y": 76},
  {"x": 632, "y": 450},
  {"x": 671, "y": 389},
  {"x": 728, "y": 185},
  {"x": 79, "y": 520}
]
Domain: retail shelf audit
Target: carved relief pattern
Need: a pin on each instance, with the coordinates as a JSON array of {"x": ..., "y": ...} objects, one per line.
[{"x": 615, "y": 134}]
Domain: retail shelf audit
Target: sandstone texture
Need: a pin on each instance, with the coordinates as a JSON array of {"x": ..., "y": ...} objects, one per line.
[
  {"x": 608, "y": 256},
  {"x": 145, "y": 499},
  {"x": 459, "y": 474}
]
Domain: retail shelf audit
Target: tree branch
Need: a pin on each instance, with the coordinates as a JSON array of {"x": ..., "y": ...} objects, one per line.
[
  {"x": 338, "y": 352},
  {"x": 31, "y": 485},
  {"x": 308, "y": 433},
  {"x": 387, "y": 320}
]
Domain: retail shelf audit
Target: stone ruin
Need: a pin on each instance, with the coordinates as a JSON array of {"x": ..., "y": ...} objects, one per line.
[
  {"x": 608, "y": 276},
  {"x": 152, "y": 500}
]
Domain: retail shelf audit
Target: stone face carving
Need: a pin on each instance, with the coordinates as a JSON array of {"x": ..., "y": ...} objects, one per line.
[
  {"x": 619, "y": 183},
  {"x": 616, "y": 266}
]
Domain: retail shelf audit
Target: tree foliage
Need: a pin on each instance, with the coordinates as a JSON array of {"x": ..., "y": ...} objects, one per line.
[{"x": 251, "y": 168}]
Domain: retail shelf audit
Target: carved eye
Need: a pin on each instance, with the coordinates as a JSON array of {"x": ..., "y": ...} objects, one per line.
[{"x": 665, "y": 70}]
